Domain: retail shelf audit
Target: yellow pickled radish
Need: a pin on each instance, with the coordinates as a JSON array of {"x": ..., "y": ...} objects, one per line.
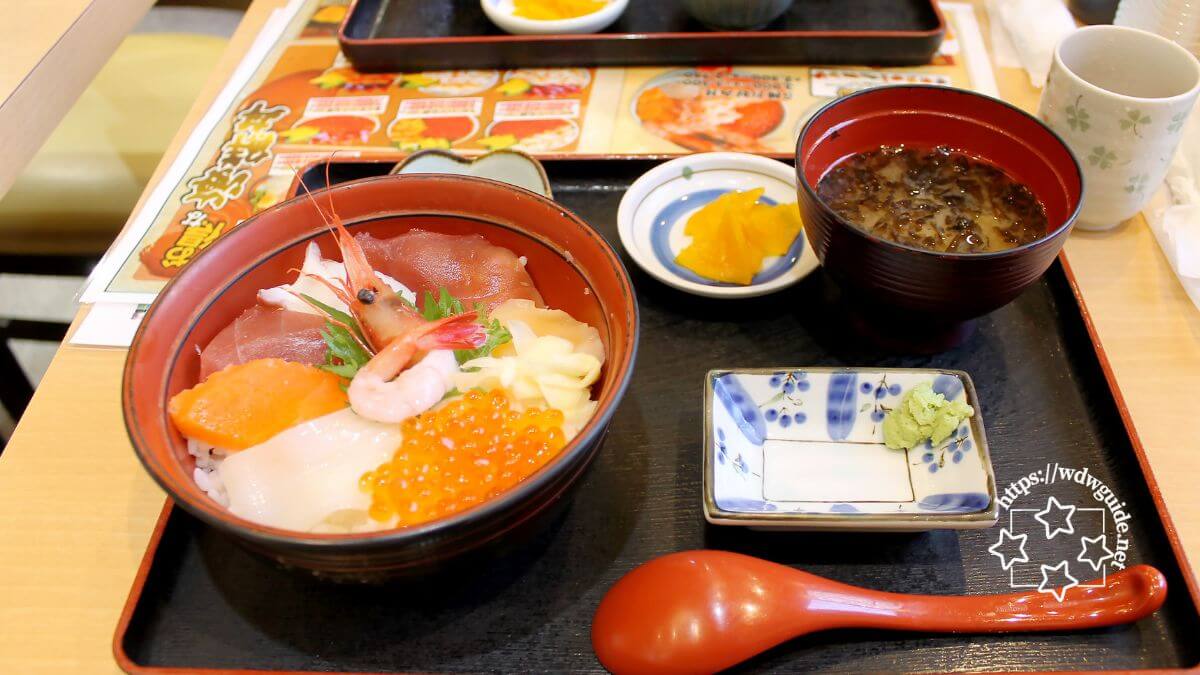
[
  {"x": 554, "y": 10},
  {"x": 734, "y": 233},
  {"x": 774, "y": 227}
]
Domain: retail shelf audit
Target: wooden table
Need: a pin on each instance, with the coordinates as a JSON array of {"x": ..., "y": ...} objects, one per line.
[
  {"x": 76, "y": 508},
  {"x": 50, "y": 52}
]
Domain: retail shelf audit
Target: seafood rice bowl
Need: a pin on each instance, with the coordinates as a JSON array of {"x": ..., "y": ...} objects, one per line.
[{"x": 398, "y": 380}]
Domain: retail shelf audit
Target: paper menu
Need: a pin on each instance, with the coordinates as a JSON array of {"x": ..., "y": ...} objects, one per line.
[{"x": 294, "y": 100}]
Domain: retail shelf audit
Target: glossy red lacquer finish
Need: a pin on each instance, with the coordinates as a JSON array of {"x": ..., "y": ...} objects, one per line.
[
  {"x": 649, "y": 33},
  {"x": 897, "y": 278},
  {"x": 704, "y": 611},
  {"x": 573, "y": 266}
]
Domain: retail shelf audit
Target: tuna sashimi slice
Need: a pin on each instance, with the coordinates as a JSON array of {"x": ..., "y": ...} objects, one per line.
[
  {"x": 262, "y": 333},
  {"x": 468, "y": 266}
]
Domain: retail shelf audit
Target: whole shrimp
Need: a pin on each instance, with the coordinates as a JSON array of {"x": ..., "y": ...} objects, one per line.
[{"x": 413, "y": 360}]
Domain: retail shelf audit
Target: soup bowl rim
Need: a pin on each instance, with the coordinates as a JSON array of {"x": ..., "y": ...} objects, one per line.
[{"x": 984, "y": 99}]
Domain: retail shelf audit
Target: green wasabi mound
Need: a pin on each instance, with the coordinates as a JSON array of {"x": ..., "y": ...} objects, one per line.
[{"x": 923, "y": 414}]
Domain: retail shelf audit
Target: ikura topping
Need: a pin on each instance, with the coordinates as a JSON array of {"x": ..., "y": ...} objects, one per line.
[
  {"x": 553, "y": 10},
  {"x": 245, "y": 404},
  {"x": 459, "y": 456}
]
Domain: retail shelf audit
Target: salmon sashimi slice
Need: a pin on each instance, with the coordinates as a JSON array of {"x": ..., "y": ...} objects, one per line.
[
  {"x": 265, "y": 332},
  {"x": 246, "y": 404},
  {"x": 469, "y": 267}
]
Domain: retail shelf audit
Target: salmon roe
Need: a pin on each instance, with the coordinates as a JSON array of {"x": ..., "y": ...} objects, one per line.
[{"x": 461, "y": 455}]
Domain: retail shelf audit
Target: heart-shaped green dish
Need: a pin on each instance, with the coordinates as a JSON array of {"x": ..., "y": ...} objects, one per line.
[{"x": 507, "y": 166}]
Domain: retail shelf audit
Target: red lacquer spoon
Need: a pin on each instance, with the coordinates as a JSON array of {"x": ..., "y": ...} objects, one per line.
[{"x": 704, "y": 611}]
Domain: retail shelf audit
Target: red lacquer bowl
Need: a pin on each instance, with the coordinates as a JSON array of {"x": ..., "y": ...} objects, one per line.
[
  {"x": 573, "y": 266},
  {"x": 922, "y": 287}
]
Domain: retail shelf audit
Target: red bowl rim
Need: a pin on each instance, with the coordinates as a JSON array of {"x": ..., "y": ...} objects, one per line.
[
  {"x": 220, "y": 517},
  {"x": 986, "y": 100}
]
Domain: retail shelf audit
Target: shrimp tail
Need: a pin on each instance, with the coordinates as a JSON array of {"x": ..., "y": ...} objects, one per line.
[
  {"x": 391, "y": 388},
  {"x": 390, "y": 360},
  {"x": 455, "y": 332}
]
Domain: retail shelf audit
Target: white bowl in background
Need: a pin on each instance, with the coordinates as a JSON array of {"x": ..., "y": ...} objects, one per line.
[{"x": 501, "y": 14}]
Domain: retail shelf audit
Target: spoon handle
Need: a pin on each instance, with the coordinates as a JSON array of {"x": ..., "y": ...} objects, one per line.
[{"x": 1123, "y": 597}]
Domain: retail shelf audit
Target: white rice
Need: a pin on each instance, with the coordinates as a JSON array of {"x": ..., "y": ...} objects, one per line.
[{"x": 208, "y": 460}]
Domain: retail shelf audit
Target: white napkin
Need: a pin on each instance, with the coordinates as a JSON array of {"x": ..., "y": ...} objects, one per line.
[
  {"x": 1174, "y": 215},
  {"x": 1034, "y": 28}
]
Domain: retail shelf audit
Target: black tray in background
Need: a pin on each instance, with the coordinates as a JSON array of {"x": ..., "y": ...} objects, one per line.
[
  {"x": 209, "y": 604},
  {"x": 405, "y": 35}
]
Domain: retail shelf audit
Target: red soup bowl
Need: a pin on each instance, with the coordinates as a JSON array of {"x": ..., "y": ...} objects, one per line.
[
  {"x": 922, "y": 288},
  {"x": 573, "y": 266}
]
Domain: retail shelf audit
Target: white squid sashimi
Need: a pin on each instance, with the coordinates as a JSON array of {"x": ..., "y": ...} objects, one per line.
[
  {"x": 299, "y": 477},
  {"x": 546, "y": 370},
  {"x": 331, "y": 271}
]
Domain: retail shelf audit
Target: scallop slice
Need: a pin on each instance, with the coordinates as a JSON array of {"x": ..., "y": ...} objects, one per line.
[{"x": 300, "y": 476}]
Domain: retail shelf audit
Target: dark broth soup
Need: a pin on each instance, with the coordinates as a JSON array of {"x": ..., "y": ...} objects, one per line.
[{"x": 939, "y": 199}]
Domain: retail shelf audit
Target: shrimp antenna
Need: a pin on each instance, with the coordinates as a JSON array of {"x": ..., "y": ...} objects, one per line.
[
  {"x": 358, "y": 270},
  {"x": 329, "y": 184},
  {"x": 316, "y": 205}
]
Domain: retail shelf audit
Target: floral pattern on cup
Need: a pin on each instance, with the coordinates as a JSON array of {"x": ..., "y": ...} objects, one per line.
[
  {"x": 1133, "y": 121},
  {"x": 1122, "y": 119},
  {"x": 1102, "y": 157},
  {"x": 1078, "y": 116},
  {"x": 1137, "y": 184}
]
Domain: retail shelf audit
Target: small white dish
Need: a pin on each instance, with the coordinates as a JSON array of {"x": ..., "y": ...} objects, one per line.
[
  {"x": 501, "y": 13},
  {"x": 655, "y": 209},
  {"x": 802, "y": 449},
  {"x": 507, "y": 166}
]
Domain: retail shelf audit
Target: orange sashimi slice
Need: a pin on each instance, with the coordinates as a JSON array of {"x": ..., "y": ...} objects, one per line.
[{"x": 244, "y": 405}]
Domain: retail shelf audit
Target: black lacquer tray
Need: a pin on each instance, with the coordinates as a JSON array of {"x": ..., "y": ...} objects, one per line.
[
  {"x": 405, "y": 35},
  {"x": 201, "y": 602}
]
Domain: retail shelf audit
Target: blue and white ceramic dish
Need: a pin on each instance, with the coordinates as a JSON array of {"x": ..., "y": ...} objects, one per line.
[
  {"x": 803, "y": 449},
  {"x": 657, "y": 206}
]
